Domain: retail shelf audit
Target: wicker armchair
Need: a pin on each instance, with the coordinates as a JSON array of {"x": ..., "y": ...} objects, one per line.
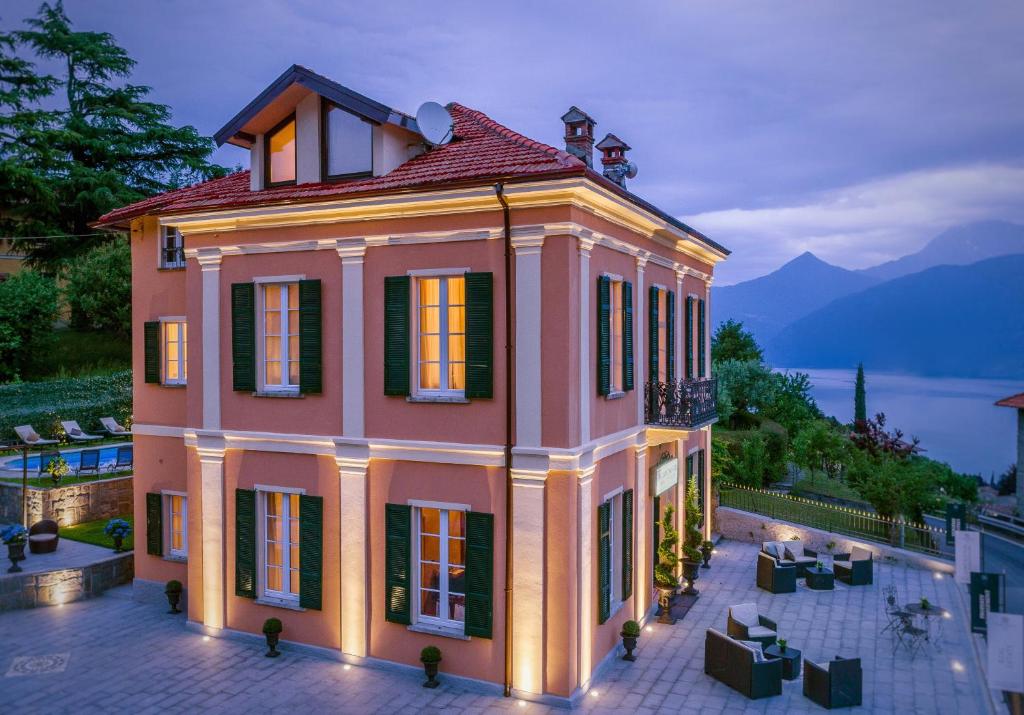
[
  {"x": 43, "y": 537},
  {"x": 839, "y": 685},
  {"x": 858, "y": 571},
  {"x": 746, "y": 624},
  {"x": 775, "y": 577}
]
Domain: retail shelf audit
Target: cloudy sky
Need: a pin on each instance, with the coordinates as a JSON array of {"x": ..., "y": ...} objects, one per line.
[{"x": 856, "y": 130}]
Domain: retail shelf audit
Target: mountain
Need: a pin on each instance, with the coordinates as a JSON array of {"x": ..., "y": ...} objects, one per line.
[
  {"x": 768, "y": 304},
  {"x": 957, "y": 246},
  {"x": 961, "y": 321}
]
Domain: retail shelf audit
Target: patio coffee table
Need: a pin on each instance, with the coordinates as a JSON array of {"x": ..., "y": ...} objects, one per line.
[
  {"x": 820, "y": 579},
  {"x": 790, "y": 660}
]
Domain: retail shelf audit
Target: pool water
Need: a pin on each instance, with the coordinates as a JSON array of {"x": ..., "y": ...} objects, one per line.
[{"x": 108, "y": 457}]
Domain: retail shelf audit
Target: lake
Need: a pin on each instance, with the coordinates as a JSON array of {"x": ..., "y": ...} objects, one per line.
[{"x": 955, "y": 418}]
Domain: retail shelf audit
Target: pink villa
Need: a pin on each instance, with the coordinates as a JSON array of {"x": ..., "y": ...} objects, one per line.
[{"x": 401, "y": 393}]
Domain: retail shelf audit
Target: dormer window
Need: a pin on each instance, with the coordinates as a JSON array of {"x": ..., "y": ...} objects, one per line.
[
  {"x": 280, "y": 153},
  {"x": 348, "y": 144}
]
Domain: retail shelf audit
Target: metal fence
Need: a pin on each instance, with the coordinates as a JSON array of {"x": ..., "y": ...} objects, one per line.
[{"x": 836, "y": 519}]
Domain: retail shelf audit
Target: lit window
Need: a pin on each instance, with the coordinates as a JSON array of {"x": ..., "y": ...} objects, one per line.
[
  {"x": 175, "y": 352},
  {"x": 662, "y": 336},
  {"x": 442, "y": 566},
  {"x": 177, "y": 525},
  {"x": 441, "y": 325},
  {"x": 281, "y": 545},
  {"x": 615, "y": 317},
  {"x": 348, "y": 142},
  {"x": 172, "y": 248},
  {"x": 280, "y": 336},
  {"x": 280, "y": 153}
]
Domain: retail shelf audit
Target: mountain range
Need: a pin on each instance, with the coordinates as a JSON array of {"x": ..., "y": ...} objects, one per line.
[{"x": 954, "y": 308}]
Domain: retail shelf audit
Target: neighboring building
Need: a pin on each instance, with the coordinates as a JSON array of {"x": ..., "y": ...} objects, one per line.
[
  {"x": 11, "y": 260},
  {"x": 320, "y": 387},
  {"x": 1017, "y": 403}
]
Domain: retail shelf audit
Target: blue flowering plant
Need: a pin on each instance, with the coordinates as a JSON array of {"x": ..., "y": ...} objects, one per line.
[
  {"x": 117, "y": 529},
  {"x": 14, "y": 534}
]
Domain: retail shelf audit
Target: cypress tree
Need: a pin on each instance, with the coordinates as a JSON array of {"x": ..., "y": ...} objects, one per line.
[{"x": 860, "y": 404}]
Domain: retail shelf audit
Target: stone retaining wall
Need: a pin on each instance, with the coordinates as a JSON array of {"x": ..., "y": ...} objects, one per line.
[
  {"x": 757, "y": 528},
  {"x": 52, "y": 588},
  {"x": 70, "y": 505}
]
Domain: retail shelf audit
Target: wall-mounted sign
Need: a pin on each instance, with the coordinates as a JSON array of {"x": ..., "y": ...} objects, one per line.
[
  {"x": 968, "y": 555},
  {"x": 955, "y": 514},
  {"x": 986, "y": 592},
  {"x": 1006, "y": 652},
  {"x": 664, "y": 476}
]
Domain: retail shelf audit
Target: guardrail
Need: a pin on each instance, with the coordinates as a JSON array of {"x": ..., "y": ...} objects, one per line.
[
  {"x": 836, "y": 519},
  {"x": 1001, "y": 522}
]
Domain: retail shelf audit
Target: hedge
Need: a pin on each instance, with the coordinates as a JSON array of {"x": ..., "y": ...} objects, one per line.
[{"x": 85, "y": 399}]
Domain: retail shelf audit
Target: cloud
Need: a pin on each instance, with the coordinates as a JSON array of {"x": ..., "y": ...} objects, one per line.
[{"x": 864, "y": 224}]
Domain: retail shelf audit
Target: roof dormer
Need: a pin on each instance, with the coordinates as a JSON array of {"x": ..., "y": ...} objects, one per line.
[{"x": 305, "y": 129}]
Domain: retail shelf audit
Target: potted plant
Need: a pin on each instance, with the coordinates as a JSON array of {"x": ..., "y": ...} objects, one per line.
[
  {"x": 272, "y": 631},
  {"x": 706, "y": 548},
  {"x": 819, "y": 565},
  {"x": 925, "y": 604},
  {"x": 782, "y": 644},
  {"x": 630, "y": 632},
  {"x": 430, "y": 657},
  {"x": 665, "y": 579},
  {"x": 692, "y": 537},
  {"x": 173, "y": 593},
  {"x": 118, "y": 530},
  {"x": 15, "y": 537},
  {"x": 58, "y": 469}
]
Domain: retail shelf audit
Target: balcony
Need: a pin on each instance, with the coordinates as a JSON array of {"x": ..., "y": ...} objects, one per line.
[{"x": 682, "y": 404}]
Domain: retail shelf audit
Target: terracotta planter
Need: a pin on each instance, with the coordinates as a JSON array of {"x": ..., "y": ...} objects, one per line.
[
  {"x": 272, "y": 639},
  {"x": 16, "y": 553},
  {"x": 430, "y": 669}
]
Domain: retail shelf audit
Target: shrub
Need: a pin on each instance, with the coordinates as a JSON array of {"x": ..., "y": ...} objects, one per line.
[
  {"x": 430, "y": 654},
  {"x": 99, "y": 288},
  {"x": 14, "y": 534},
  {"x": 85, "y": 399},
  {"x": 665, "y": 571},
  {"x": 272, "y": 625},
  {"x": 173, "y": 586},
  {"x": 692, "y": 537},
  {"x": 29, "y": 304},
  {"x": 117, "y": 528},
  {"x": 631, "y": 629}
]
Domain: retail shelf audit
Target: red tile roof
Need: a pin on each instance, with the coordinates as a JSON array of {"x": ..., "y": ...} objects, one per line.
[
  {"x": 1012, "y": 401},
  {"x": 482, "y": 150}
]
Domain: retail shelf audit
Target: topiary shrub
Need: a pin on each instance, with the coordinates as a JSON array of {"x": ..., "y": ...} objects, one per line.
[
  {"x": 272, "y": 625},
  {"x": 430, "y": 654},
  {"x": 173, "y": 586},
  {"x": 631, "y": 629}
]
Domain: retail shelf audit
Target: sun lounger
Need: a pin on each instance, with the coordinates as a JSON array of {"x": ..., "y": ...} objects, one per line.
[
  {"x": 76, "y": 433},
  {"x": 30, "y": 437},
  {"x": 112, "y": 427}
]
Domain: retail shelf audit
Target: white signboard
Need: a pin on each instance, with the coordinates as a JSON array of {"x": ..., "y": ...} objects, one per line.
[
  {"x": 664, "y": 476},
  {"x": 1006, "y": 652},
  {"x": 968, "y": 555}
]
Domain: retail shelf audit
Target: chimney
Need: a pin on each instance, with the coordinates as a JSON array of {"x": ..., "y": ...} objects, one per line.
[
  {"x": 579, "y": 134},
  {"x": 613, "y": 158}
]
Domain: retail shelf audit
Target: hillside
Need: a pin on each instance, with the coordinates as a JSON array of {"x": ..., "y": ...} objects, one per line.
[
  {"x": 768, "y": 304},
  {"x": 957, "y": 246},
  {"x": 949, "y": 320}
]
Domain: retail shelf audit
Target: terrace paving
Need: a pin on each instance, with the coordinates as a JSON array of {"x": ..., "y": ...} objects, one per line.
[{"x": 112, "y": 654}]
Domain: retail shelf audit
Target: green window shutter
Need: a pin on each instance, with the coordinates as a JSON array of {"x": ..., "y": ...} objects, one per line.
[
  {"x": 670, "y": 336},
  {"x": 604, "y": 556},
  {"x": 243, "y": 337},
  {"x": 688, "y": 337},
  {"x": 151, "y": 339},
  {"x": 311, "y": 550},
  {"x": 245, "y": 543},
  {"x": 310, "y": 338},
  {"x": 627, "y": 336},
  {"x": 701, "y": 348},
  {"x": 479, "y": 574},
  {"x": 627, "y": 544},
  {"x": 604, "y": 356},
  {"x": 154, "y": 524},
  {"x": 397, "y": 334},
  {"x": 397, "y": 562},
  {"x": 479, "y": 335},
  {"x": 652, "y": 336}
]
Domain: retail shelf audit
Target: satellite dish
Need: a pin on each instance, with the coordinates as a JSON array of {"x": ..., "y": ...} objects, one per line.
[
  {"x": 631, "y": 170},
  {"x": 435, "y": 123}
]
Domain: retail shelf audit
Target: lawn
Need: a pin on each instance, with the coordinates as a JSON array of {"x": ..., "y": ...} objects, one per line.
[
  {"x": 91, "y": 532},
  {"x": 823, "y": 486}
]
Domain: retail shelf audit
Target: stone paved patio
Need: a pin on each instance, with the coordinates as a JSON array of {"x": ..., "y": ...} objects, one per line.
[{"x": 124, "y": 656}]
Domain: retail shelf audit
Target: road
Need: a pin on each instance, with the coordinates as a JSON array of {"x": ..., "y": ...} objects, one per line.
[{"x": 999, "y": 555}]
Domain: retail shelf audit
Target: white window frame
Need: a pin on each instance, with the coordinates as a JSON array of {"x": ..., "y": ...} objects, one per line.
[
  {"x": 443, "y": 391},
  {"x": 182, "y": 350},
  {"x": 616, "y": 324},
  {"x": 165, "y": 233},
  {"x": 662, "y": 375},
  {"x": 168, "y": 505},
  {"x": 614, "y": 501},
  {"x": 265, "y": 594},
  {"x": 261, "y": 345},
  {"x": 441, "y": 624}
]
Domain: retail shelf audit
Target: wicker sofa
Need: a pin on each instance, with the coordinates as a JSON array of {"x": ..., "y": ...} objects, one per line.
[
  {"x": 859, "y": 570},
  {"x": 798, "y": 554},
  {"x": 741, "y": 666},
  {"x": 775, "y": 576},
  {"x": 837, "y": 685}
]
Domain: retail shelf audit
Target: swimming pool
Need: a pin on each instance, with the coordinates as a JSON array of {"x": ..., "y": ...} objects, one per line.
[{"x": 108, "y": 456}]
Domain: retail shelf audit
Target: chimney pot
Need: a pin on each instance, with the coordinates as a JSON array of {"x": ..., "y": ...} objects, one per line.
[
  {"x": 579, "y": 134},
  {"x": 613, "y": 159}
]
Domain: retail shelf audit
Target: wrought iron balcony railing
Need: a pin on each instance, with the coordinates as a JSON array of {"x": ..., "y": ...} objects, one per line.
[{"x": 682, "y": 404}]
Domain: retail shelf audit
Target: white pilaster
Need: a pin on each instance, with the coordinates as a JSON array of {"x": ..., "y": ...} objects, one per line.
[
  {"x": 680, "y": 489},
  {"x": 705, "y": 434},
  {"x": 353, "y": 461},
  {"x": 641, "y": 572},
  {"x": 586, "y": 310},
  {"x": 353, "y": 413},
  {"x": 680, "y": 327},
  {"x": 706, "y": 347},
  {"x": 211, "y": 470},
  {"x": 639, "y": 320},
  {"x": 528, "y": 347},
  {"x": 209, "y": 263},
  {"x": 585, "y": 572},
  {"x": 528, "y": 574}
]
